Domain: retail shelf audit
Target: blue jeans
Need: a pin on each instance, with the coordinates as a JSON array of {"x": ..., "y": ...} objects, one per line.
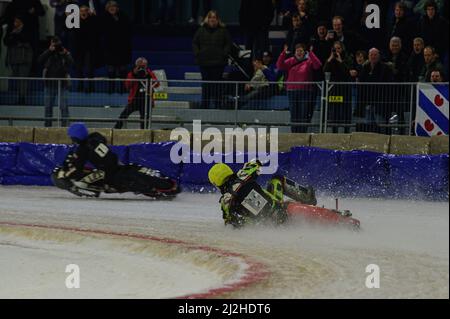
[
  {"x": 301, "y": 106},
  {"x": 51, "y": 95}
]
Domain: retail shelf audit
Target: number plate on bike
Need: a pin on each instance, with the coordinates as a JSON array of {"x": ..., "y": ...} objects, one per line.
[{"x": 254, "y": 202}]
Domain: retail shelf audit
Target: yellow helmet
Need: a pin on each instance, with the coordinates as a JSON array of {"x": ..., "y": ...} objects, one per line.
[{"x": 219, "y": 174}]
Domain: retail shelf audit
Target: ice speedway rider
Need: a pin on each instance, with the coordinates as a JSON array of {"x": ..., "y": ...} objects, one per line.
[
  {"x": 109, "y": 175},
  {"x": 244, "y": 201}
]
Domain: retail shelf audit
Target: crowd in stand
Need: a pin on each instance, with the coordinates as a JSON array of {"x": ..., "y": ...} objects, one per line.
[{"x": 324, "y": 40}]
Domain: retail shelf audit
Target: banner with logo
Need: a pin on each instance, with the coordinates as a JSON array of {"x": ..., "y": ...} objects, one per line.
[{"x": 432, "y": 109}]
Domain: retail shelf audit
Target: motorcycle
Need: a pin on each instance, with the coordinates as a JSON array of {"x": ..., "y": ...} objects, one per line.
[{"x": 129, "y": 178}]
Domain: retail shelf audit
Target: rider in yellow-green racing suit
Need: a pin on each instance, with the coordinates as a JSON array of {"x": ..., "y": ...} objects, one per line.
[{"x": 245, "y": 202}]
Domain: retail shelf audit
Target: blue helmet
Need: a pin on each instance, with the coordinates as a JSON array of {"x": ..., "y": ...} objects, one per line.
[{"x": 78, "y": 132}]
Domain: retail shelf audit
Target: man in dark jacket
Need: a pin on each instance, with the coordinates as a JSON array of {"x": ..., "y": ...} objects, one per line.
[
  {"x": 85, "y": 48},
  {"x": 299, "y": 33},
  {"x": 434, "y": 29},
  {"x": 372, "y": 103},
  {"x": 30, "y": 10},
  {"x": 322, "y": 47},
  {"x": 19, "y": 55},
  {"x": 255, "y": 17},
  {"x": 351, "y": 40},
  {"x": 212, "y": 46},
  {"x": 117, "y": 43},
  {"x": 403, "y": 27},
  {"x": 416, "y": 60},
  {"x": 56, "y": 61},
  {"x": 431, "y": 63}
]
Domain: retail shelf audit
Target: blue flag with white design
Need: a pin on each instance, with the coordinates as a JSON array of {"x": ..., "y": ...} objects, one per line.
[{"x": 432, "y": 109}]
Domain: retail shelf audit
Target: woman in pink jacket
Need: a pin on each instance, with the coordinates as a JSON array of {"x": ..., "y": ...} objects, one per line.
[{"x": 302, "y": 96}]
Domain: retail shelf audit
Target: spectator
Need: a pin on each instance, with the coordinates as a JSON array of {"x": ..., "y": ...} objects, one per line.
[
  {"x": 322, "y": 46},
  {"x": 349, "y": 10},
  {"x": 19, "y": 55},
  {"x": 302, "y": 9},
  {"x": 255, "y": 17},
  {"x": 30, "y": 10},
  {"x": 397, "y": 60},
  {"x": 431, "y": 63},
  {"x": 338, "y": 66},
  {"x": 212, "y": 46},
  {"x": 419, "y": 7},
  {"x": 57, "y": 62},
  {"x": 271, "y": 71},
  {"x": 299, "y": 33},
  {"x": 84, "y": 43},
  {"x": 360, "y": 59},
  {"x": 403, "y": 27},
  {"x": 416, "y": 60},
  {"x": 437, "y": 76},
  {"x": 139, "y": 93},
  {"x": 300, "y": 68},
  {"x": 434, "y": 29},
  {"x": 195, "y": 14},
  {"x": 373, "y": 99},
  {"x": 117, "y": 43},
  {"x": 350, "y": 39},
  {"x": 258, "y": 89}
]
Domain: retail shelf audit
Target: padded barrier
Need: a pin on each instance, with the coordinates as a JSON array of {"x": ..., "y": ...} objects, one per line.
[
  {"x": 32, "y": 164},
  {"x": 156, "y": 156},
  {"x": 331, "y": 172}
]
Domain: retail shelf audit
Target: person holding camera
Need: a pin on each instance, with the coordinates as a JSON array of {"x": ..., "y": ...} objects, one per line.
[
  {"x": 57, "y": 62},
  {"x": 140, "y": 82},
  {"x": 338, "y": 66}
]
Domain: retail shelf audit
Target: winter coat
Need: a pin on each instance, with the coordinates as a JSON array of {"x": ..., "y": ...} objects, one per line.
[
  {"x": 429, "y": 68},
  {"x": 340, "y": 71},
  {"x": 299, "y": 71},
  {"x": 256, "y": 14},
  {"x": 56, "y": 64},
  {"x": 19, "y": 47},
  {"x": 399, "y": 67},
  {"x": 435, "y": 33},
  {"x": 117, "y": 39},
  {"x": 415, "y": 64},
  {"x": 211, "y": 46},
  {"x": 406, "y": 30}
]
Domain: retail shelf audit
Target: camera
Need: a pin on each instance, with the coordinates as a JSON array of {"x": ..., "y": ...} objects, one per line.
[
  {"x": 141, "y": 73},
  {"x": 333, "y": 52}
]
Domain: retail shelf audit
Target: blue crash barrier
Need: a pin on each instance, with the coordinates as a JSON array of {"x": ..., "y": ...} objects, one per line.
[
  {"x": 337, "y": 173},
  {"x": 315, "y": 167},
  {"x": 156, "y": 156},
  {"x": 8, "y": 159},
  {"x": 419, "y": 176},
  {"x": 362, "y": 173}
]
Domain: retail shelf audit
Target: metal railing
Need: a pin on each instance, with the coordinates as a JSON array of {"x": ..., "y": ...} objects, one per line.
[{"x": 317, "y": 107}]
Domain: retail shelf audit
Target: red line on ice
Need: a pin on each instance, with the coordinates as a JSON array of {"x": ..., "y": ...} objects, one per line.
[{"x": 254, "y": 273}]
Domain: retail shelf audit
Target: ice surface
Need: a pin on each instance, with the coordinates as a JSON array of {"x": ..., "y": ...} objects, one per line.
[{"x": 408, "y": 240}]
